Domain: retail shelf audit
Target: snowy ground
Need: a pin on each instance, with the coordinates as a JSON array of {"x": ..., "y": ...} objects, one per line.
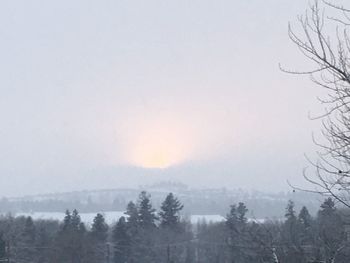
[{"x": 112, "y": 216}]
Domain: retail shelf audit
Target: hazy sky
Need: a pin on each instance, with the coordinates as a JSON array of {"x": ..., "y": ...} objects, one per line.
[{"x": 93, "y": 91}]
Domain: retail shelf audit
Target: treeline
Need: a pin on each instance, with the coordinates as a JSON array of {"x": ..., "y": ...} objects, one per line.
[
  {"x": 198, "y": 201},
  {"x": 57, "y": 205},
  {"x": 145, "y": 235}
]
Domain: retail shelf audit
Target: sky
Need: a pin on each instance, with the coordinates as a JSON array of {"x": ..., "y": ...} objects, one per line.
[{"x": 109, "y": 94}]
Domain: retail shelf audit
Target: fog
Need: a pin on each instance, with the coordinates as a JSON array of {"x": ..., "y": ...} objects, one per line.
[{"x": 115, "y": 94}]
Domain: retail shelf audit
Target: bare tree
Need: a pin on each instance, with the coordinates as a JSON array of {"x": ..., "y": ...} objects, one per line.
[{"x": 324, "y": 40}]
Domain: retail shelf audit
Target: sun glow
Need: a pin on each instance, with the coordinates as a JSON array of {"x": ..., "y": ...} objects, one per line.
[
  {"x": 156, "y": 155},
  {"x": 158, "y": 145},
  {"x": 158, "y": 150}
]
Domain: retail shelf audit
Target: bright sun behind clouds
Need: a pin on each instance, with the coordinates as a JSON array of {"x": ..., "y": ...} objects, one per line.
[
  {"x": 154, "y": 139},
  {"x": 158, "y": 144},
  {"x": 157, "y": 153}
]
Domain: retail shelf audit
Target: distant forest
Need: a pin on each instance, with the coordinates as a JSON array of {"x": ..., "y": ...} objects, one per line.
[
  {"x": 198, "y": 201},
  {"x": 145, "y": 235}
]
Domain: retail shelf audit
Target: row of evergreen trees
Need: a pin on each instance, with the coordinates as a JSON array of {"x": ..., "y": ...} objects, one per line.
[
  {"x": 299, "y": 238},
  {"x": 147, "y": 236},
  {"x": 144, "y": 235}
]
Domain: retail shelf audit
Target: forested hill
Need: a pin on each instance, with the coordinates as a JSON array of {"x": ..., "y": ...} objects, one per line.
[
  {"x": 198, "y": 201},
  {"x": 148, "y": 235}
]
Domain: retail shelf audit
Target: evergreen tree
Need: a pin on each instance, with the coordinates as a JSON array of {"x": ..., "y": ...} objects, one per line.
[
  {"x": 236, "y": 218},
  {"x": 75, "y": 220},
  {"x": 232, "y": 218},
  {"x": 305, "y": 227},
  {"x": 290, "y": 212},
  {"x": 67, "y": 220},
  {"x": 99, "y": 229},
  {"x": 122, "y": 241},
  {"x": 327, "y": 208},
  {"x": 43, "y": 240},
  {"x": 241, "y": 212},
  {"x": 172, "y": 230},
  {"x": 147, "y": 231},
  {"x": 27, "y": 242},
  {"x": 147, "y": 216},
  {"x": 291, "y": 236},
  {"x": 133, "y": 233},
  {"x": 330, "y": 229},
  {"x": 133, "y": 215},
  {"x": 304, "y": 218},
  {"x": 99, "y": 235},
  {"x": 29, "y": 231},
  {"x": 169, "y": 214},
  {"x": 236, "y": 224},
  {"x": 71, "y": 239}
]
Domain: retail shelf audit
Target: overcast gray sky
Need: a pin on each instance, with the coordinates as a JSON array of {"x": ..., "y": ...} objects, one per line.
[{"x": 92, "y": 92}]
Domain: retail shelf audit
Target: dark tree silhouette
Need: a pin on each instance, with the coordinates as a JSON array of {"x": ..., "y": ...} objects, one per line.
[
  {"x": 99, "y": 229},
  {"x": 147, "y": 215},
  {"x": 99, "y": 236},
  {"x": 122, "y": 241},
  {"x": 169, "y": 214}
]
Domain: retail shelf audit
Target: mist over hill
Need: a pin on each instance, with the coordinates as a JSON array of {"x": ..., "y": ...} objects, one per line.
[
  {"x": 197, "y": 201},
  {"x": 247, "y": 171}
]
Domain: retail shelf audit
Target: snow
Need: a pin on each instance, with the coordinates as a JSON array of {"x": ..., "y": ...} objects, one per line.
[{"x": 112, "y": 216}]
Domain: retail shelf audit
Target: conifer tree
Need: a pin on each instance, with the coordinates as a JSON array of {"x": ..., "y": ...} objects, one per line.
[
  {"x": 147, "y": 231},
  {"x": 67, "y": 220},
  {"x": 122, "y": 241},
  {"x": 169, "y": 214},
  {"x": 27, "y": 242},
  {"x": 290, "y": 212},
  {"x": 71, "y": 238},
  {"x": 305, "y": 227},
  {"x": 171, "y": 229},
  {"x": 232, "y": 218},
  {"x": 133, "y": 215},
  {"x": 43, "y": 240},
  {"x": 75, "y": 220},
  {"x": 304, "y": 218},
  {"x": 241, "y": 212},
  {"x": 330, "y": 229},
  {"x": 147, "y": 215},
  {"x": 99, "y": 229},
  {"x": 99, "y": 235},
  {"x": 29, "y": 230},
  {"x": 327, "y": 208},
  {"x": 291, "y": 235},
  {"x": 130, "y": 233},
  {"x": 236, "y": 224}
]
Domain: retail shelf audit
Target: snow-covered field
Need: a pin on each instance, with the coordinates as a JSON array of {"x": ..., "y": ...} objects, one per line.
[{"x": 112, "y": 216}]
